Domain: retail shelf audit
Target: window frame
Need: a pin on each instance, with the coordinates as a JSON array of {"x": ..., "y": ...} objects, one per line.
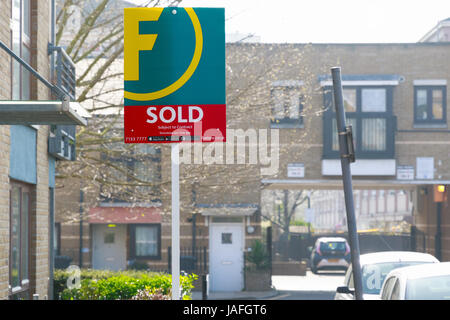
[
  {"x": 132, "y": 246},
  {"x": 429, "y": 89},
  {"x": 23, "y": 290},
  {"x": 359, "y": 116}
]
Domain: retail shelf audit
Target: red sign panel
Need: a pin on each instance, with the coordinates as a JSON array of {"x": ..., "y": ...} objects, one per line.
[{"x": 165, "y": 124}]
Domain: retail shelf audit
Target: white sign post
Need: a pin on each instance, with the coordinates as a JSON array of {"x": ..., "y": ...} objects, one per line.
[
  {"x": 175, "y": 221},
  {"x": 160, "y": 90}
]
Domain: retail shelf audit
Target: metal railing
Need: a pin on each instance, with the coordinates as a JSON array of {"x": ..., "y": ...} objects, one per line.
[
  {"x": 65, "y": 72},
  {"x": 191, "y": 260}
]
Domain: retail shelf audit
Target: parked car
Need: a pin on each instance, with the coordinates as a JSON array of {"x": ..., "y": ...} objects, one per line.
[
  {"x": 424, "y": 282},
  {"x": 374, "y": 269},
  {"x": 330, "y": 253}
]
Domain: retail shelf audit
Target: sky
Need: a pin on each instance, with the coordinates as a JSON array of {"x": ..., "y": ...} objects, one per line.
[{"x": 329, "y": 21}]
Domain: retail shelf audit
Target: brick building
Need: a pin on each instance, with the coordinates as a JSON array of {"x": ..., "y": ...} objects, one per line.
[
  {"x": 29, "y": 132},
  {"x": 396, "y": 100}
]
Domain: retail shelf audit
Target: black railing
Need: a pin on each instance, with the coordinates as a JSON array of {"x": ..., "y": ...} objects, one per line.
[
  {"x": 418, "y": 240},
  {"x": 191, "y": 260}
]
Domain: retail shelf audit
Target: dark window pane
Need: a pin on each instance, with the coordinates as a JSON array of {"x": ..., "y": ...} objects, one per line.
[
  {"x": 422, "y": 106},
  {"x": 25, "y": 74},
  {"x": 146, "y": 241},
  {"x": 15, "y": 237},
  {"x": 109, "y": 238},
  {"x": 437, "y": 110},
  {"x": 227, "y": 238},
  {"x": 26, "y": 18},
  {"x": 335, "y": 140},
  {"x": 24, "y": 235},
  {"x": 349, "y": 100}
]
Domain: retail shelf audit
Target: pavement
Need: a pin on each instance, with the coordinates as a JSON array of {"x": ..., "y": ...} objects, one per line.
[
  {"x": 322, "y": 283},
  {"x": 237, "y": 295}
]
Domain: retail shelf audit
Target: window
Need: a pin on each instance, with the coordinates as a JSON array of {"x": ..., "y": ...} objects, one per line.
[
  {"x": 19, "y": 240},
  {"x": 396, "y": 291},
  {"x": 368, "y": 110},
  {"x": 430, "y": 105},
  {"x": 387, "y": 288},
  {"x": 227, "y": 238},
  {"x": 109, "y": 238},
  {"x": 20, "y": 35},
  {"x": 145, "y": 241},
  {"x": 287, "y": 105},
  {"x": 373, "y": 100},
  {"x": 131, "y": 174}
]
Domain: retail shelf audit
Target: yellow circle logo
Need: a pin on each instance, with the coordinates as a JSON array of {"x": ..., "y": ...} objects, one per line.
[{"x": 129, "y": 50}]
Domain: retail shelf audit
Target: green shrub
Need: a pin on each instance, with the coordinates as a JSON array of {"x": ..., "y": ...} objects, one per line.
[
  {"x": 123, "y": 285},
  {"x": 258, "y": 257}
]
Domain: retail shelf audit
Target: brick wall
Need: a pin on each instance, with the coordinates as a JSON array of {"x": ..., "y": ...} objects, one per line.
[
  {"x": 39, "y": 223},
  {"x": 5, "y": 93},
  {"x": 4, "y": 210}
]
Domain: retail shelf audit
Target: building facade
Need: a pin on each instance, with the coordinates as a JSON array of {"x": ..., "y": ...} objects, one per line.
[
  {"x": 396, "y": 100},
  {"x": 280, "y": 96},
  {"x": 27, "y": 141}
]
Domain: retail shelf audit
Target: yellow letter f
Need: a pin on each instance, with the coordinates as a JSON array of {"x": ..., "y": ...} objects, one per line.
[{"x": 135, "y": 42}]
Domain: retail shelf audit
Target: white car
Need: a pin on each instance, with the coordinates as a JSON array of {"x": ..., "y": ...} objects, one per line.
[
  {"x": 423, "y": 282},
  {"x": 374, "y": 269}
]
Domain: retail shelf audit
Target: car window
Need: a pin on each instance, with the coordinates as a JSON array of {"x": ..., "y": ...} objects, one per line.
[
  {"x": 429, "y": 288},
  {"x": 332, "y": 246},
  {"x": 349, "y": 277},
  {"x": 387, "y": 288},
  {"x": 351, "y": 283},
  {"x": 373, "y": 275},
  {"x": 396, "y": 291}
]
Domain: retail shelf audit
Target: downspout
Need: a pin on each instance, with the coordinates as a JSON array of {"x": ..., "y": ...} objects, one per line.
[{"x": 52, "y": 190}]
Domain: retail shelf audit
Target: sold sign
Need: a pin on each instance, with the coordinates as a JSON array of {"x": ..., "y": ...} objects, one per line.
[{"x": 174, "y": 74}]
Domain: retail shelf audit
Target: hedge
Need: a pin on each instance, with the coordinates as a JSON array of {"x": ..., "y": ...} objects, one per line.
[{"x": 120, "y": 285}]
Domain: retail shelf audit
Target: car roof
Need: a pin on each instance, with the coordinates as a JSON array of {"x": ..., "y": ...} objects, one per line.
[
  {"x": 395, "y": 256},
  {"x": 331, "y": 239},
  {"x": 422, "y": 270}
]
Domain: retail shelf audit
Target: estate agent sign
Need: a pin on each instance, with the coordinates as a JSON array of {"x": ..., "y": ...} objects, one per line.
[{"x": 174, "y": 75}]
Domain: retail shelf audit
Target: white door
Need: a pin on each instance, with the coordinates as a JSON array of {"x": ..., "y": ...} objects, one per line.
[
  {"x": 109, "y": 247},
  {"x": 226, "y": 257}
]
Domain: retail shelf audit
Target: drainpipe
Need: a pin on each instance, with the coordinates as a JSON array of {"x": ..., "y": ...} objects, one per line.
[
  {"x": 81, "y": 228},
  {"x": 52, "y": 40},
  {"x": 51, "y": 266},
  {"x": 438, "y": 236},
  {"x": 52, "y": 190}
]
